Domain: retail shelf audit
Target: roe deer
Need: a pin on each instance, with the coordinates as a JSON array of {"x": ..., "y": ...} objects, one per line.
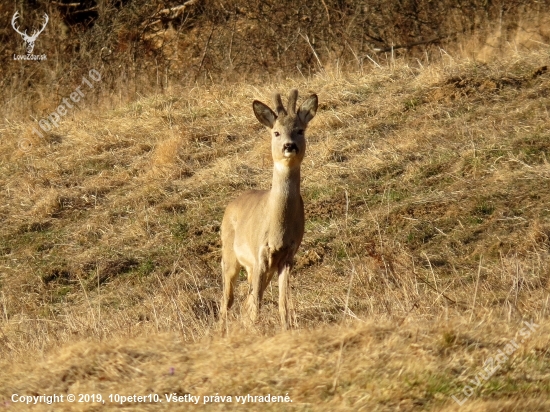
[{"x": 262, "y": 229}]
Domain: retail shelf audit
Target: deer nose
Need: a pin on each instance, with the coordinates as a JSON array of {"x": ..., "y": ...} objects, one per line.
[{"x": 290, "y": 147}]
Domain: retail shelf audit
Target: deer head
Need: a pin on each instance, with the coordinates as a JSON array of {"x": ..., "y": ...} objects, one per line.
[{"x": 29, "y": 40}]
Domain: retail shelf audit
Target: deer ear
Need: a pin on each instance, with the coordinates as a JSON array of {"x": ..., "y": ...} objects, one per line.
[
  {"x": 308, "y": 109},
  {"x": 264, "y": 114}
]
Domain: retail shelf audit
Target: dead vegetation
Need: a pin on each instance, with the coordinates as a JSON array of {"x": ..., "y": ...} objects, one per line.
[
  {"x": 427, "y": 192},
  {"x": 143, "y": 47}
]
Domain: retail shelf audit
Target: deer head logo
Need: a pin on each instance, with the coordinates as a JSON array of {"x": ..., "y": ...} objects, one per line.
[{"x": 29, "y": 40}]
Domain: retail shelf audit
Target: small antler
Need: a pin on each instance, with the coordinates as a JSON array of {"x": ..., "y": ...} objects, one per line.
[
  {"x": 36, "y": 33},
  {"x": 13, "y": 19},
  {"x": 292, "y": 97},
  {"x": 279, "y": 108}
]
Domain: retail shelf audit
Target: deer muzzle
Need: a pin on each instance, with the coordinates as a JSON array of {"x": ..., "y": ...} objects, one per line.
[{"x": 290, "y": 149}]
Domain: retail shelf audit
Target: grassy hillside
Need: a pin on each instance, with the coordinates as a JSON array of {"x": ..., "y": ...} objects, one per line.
[{"x": 427, "y": 245}]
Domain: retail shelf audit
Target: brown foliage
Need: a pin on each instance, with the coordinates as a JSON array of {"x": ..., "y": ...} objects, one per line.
[{"x": 142, "y": 45}]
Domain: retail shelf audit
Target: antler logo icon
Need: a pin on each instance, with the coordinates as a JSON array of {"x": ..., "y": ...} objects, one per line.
[{"x": 29, "y": 40}]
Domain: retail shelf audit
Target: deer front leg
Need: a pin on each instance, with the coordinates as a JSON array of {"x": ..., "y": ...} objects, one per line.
[
  {"x": 257, "y": 279},
  {"x": 285, "y": 303}
]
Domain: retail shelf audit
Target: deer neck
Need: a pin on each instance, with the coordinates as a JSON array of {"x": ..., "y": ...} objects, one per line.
[{"x": 284, "y": 198}]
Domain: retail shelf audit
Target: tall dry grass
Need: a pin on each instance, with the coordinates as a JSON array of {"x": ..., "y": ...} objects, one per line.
[{"x": 148, "y": 47}]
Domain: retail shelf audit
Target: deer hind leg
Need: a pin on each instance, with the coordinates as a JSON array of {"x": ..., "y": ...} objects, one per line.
[{"x": 230, "y": 272}]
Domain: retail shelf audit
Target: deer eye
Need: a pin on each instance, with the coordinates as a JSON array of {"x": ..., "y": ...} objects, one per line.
[
  {"x": 277, "y": 134},
  {"x": 300, "y": 132}
]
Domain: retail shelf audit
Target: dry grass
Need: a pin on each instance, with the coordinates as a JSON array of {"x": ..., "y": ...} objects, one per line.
[
  {"x": 427, "y": 191},
  {"x": 382, "y": 366}
]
